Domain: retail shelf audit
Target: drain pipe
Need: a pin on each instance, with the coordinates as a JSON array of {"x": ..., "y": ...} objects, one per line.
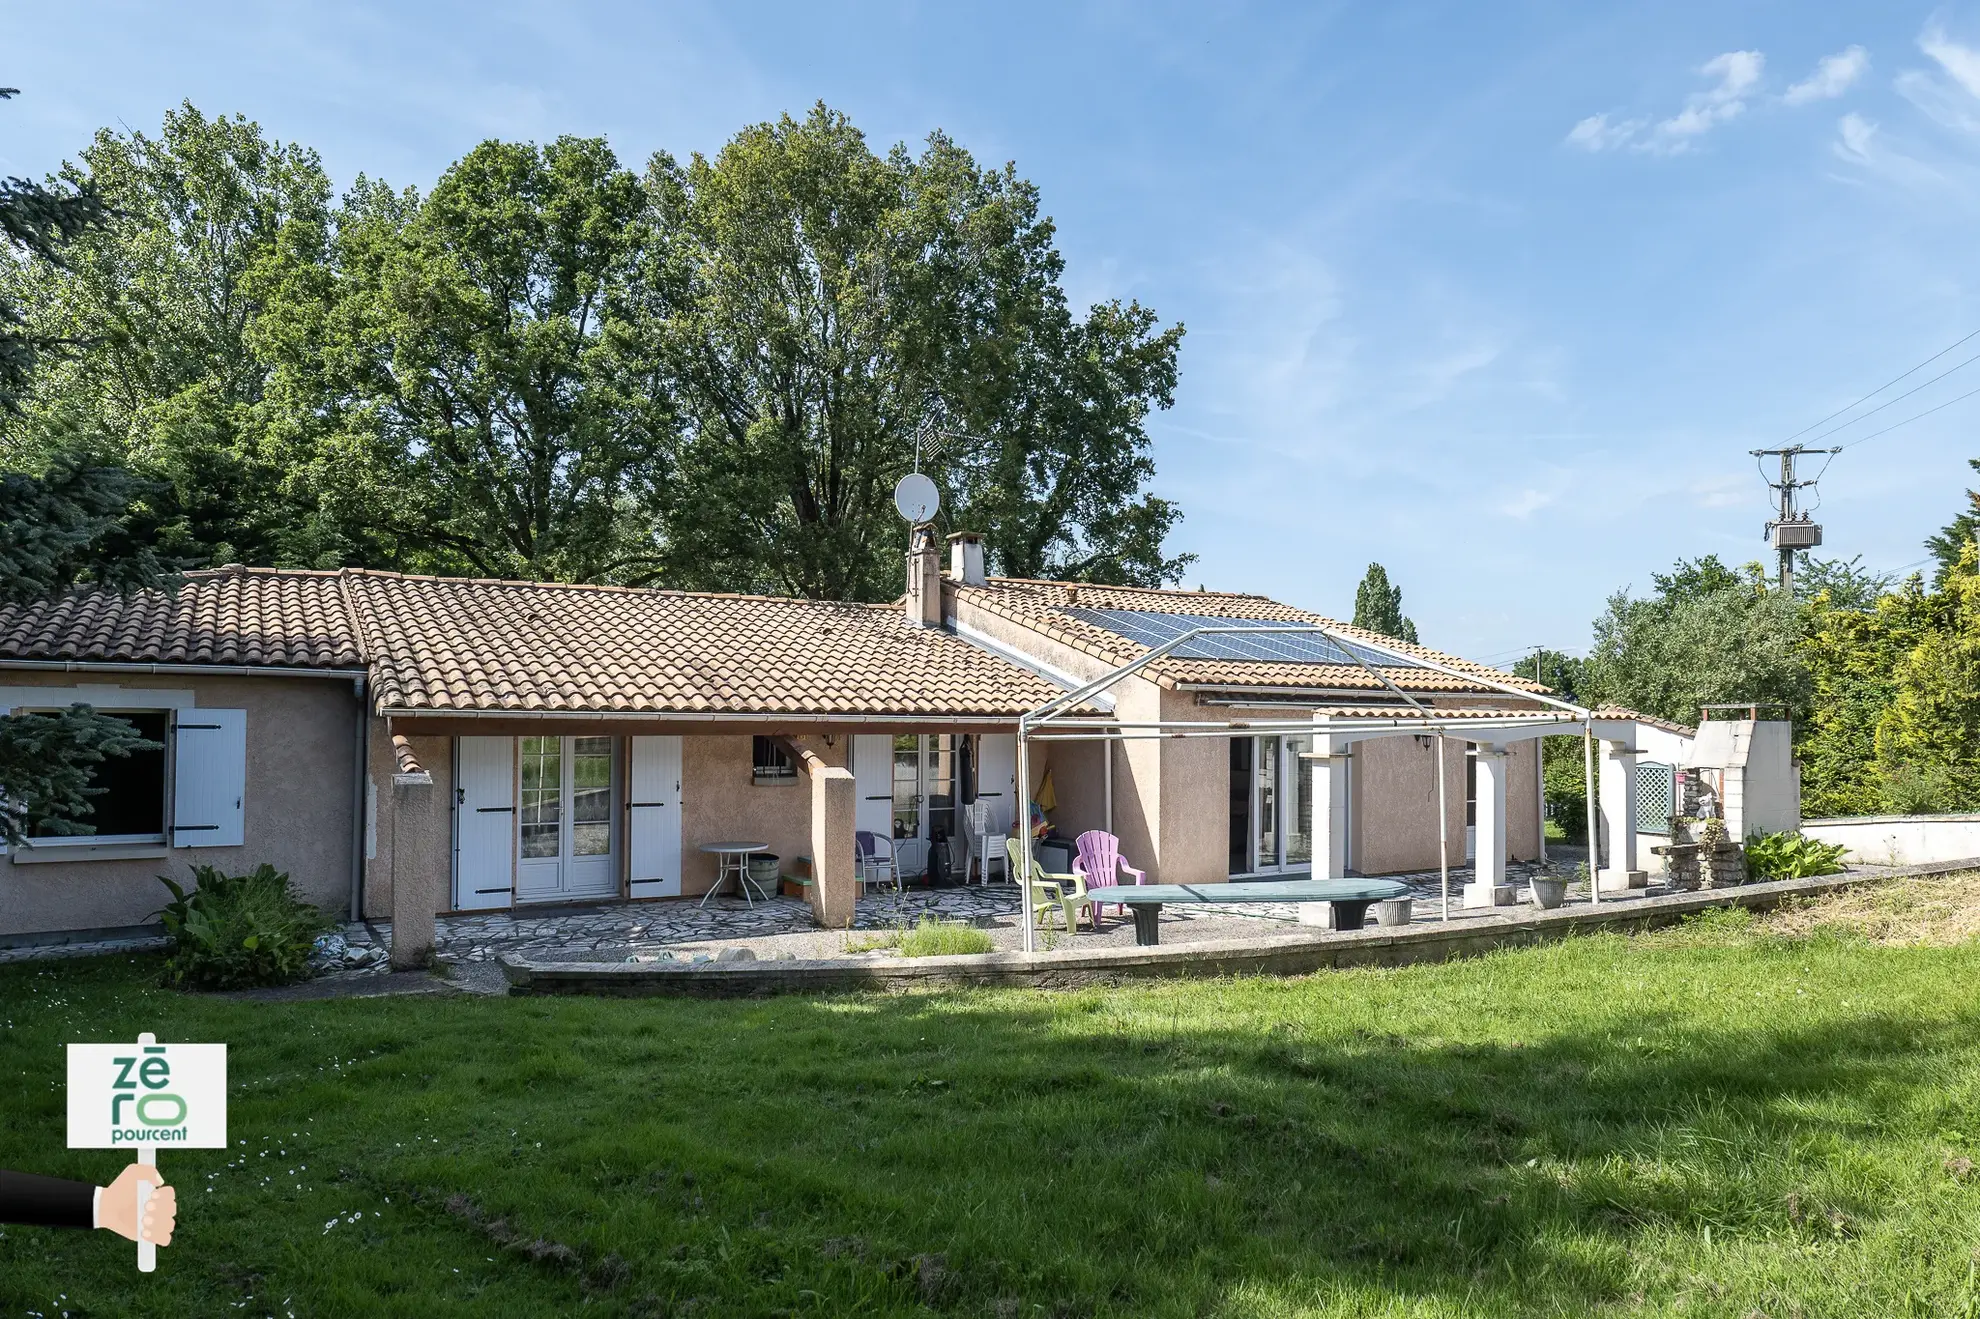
[{"x": 361, "y": 742}]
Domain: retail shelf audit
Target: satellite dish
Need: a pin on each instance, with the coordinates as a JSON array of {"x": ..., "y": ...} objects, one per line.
[{"x": 917, "y": 498}]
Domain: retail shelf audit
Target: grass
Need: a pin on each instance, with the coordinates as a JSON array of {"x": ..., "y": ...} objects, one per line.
[
  {"x": 1737, "y": 1116},
  {"x": 929, "y": 938}
]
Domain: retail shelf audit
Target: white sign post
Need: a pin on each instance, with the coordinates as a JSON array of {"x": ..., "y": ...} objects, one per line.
[{"x": 140, "y": 1096}]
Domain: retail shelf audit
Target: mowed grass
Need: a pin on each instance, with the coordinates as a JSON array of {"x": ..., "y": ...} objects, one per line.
[{"x": 1717, "y": 1120}]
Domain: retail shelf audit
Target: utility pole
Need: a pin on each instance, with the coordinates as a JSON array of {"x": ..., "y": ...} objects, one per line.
[{"x": 1792, "y": 532}]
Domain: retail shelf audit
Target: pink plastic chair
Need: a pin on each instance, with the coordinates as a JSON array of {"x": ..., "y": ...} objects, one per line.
[{"x": 1098, "y": 861}]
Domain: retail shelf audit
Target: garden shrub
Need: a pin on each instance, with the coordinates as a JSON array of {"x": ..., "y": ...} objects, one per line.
[
  {"x": 1790, "y": 855},
  {"x": 238, "y": 931}
]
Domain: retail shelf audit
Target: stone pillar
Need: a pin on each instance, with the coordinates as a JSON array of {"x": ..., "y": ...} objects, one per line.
[
  {"x": 1616, "y": 797},
  {"x": 1488, "y": 887},
  {"x": 1330, "y": 820},
  {"x": 419, "y": 872},
  {"x": 834, "y": 887}
]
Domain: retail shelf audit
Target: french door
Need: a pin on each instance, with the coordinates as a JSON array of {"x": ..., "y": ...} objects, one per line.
[{"x": 567, "y": 836}]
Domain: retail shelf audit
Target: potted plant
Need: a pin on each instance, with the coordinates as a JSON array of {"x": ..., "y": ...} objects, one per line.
[{"x": 1548, "y": 889}]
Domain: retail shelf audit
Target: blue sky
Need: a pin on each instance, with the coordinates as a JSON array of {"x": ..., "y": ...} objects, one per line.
[{"x": 1499, "y": 295}]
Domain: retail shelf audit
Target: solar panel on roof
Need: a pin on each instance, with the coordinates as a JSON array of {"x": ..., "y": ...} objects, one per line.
[{"x": 1150, "y": 628}]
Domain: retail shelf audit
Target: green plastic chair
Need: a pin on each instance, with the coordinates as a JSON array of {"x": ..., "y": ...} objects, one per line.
[{"x": 1048, "y": 892}]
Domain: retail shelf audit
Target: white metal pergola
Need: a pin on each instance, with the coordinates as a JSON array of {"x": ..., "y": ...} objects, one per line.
[{"x": 1060, "y": 722}]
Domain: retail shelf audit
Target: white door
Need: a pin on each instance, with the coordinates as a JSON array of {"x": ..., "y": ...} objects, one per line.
[
  {"x": 873, "y": 783},
  {"x": 484, "y": 822},
  {"x": 653, "y": 817},
  {"x": 996, "y": 778},
  {"x": 566, "y": 828}
]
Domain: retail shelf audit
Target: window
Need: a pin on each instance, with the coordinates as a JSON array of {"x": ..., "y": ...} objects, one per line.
[
  {"x": 769, "y": 762},
  {"x": 130, "y": 803}
]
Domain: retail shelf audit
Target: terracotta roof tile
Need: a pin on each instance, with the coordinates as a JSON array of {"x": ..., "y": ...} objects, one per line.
[
  {"x": 1044, "y": 606},
  {"x": 452, "y": 644},
  {"x": 228, "y": 616}
]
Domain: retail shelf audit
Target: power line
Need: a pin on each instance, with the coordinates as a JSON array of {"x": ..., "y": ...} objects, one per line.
[
  {"x": 1881, "y": 388},
  {"x": 1908, "y": 420},
  {"x": 1899, "y": 399}
]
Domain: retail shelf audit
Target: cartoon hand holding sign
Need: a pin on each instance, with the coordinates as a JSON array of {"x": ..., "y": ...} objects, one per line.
[{"x": 138, "y": 1097}]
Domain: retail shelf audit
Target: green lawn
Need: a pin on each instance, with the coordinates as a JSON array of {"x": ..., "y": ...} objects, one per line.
[{"x": 1717, "y": 1121}]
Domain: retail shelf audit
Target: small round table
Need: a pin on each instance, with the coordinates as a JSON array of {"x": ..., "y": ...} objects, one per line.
[{"x": 732, "y": 859}]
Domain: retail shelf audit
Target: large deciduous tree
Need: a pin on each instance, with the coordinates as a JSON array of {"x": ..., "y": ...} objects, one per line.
[
  {"x": 457, "y": 369},
  {"x": 157, "y": 305},
  {"x": 71, "y": 524},
  {"x": 823, "y": 309}
]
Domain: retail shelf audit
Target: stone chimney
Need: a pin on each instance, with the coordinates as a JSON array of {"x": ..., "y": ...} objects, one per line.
[
  {"x": 966, "y": 558},
  {"x": 924, "y": 580}
]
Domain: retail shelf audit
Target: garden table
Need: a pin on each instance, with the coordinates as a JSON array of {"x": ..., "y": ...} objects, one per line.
[
  {"x": 1351, "y": 898},
  {"x": 732, "y": 859}
]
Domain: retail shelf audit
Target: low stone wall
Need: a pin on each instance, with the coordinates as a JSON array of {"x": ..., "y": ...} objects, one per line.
[
  {"x": 1292, "y": 954},
  {"x": 1900, "y": 840}
]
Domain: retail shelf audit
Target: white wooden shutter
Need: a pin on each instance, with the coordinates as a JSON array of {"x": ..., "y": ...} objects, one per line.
[
  {"x": 653, "y": 818},
  {"x": 209, "y": 777},
  {"x": 484, "y": 822},
  {"x": 873, "y": 783},
  {"x": 996, "y": 777}
]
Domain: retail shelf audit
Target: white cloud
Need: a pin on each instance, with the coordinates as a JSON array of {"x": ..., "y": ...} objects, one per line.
[
  {"x": 1961, "y": 63},
  {"x": 1736, "y": 74},
  {"x": 1835, "y": 75},
  {"x": 1598, "y": 133},
  {"x": 1853, "y": 135}
]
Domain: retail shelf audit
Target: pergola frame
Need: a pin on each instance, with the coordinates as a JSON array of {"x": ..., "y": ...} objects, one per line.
[{"x": 1055, "y": 715}]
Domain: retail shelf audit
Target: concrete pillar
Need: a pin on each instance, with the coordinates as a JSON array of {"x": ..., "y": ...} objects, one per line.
[
  {"x": 1616, "y": 798},
  {"x": 419, "y": 868},
  {"x": 834, "y": 882},
  {"x": 1330, "y": 820},
  {"x": 1488, "y": 887}
]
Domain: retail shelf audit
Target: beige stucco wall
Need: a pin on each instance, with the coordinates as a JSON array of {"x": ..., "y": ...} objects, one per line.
[
  {"x": 719, "y": 804},
  {"x": 1393, "y": 804},
  {"x": 296, "y": 816},
  {"x": 1195, "y": 838}
]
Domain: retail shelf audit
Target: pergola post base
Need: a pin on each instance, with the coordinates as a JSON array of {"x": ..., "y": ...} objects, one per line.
[
  {"x": 1615, "y": 881},
  {"x": 1488, "y": 894}
]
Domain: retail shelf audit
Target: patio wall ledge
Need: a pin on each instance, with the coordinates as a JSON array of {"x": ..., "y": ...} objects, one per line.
[{"x": 1291, "y": 954}]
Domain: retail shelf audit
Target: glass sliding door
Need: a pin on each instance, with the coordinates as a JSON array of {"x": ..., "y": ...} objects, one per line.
[
  {"x": 1266, "y": 790},
  {"x": 1298, "y": 797},
  {"x": 1271, "y": 809}
]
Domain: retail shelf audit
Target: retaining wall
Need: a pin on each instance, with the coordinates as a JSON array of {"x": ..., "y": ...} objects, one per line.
[{"x": 1291, "y": 954}]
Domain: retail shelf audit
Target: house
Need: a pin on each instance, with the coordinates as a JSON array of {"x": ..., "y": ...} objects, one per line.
[{"x": 406, "y": 745}]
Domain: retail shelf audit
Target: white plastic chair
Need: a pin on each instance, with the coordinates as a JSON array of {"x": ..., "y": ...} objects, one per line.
[{"x": 983, "y": 846}]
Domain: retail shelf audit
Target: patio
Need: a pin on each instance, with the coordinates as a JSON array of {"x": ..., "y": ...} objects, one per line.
[{"x": 783, "y": 927}]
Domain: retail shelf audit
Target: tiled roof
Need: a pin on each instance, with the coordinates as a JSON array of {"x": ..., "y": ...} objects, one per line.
[
  {"x": 1623, "y": 712},
  {"x": 452, "y": 644},
  {"x": 1044, "y": 606},
  {"x": 228, "y": 616}
]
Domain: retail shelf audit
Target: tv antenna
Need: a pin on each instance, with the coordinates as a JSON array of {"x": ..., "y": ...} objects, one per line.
[{"x": 1792, "y": 532}]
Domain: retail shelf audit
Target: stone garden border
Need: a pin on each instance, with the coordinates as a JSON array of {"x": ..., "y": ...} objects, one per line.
[{"x": 1292, "y": 954}]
